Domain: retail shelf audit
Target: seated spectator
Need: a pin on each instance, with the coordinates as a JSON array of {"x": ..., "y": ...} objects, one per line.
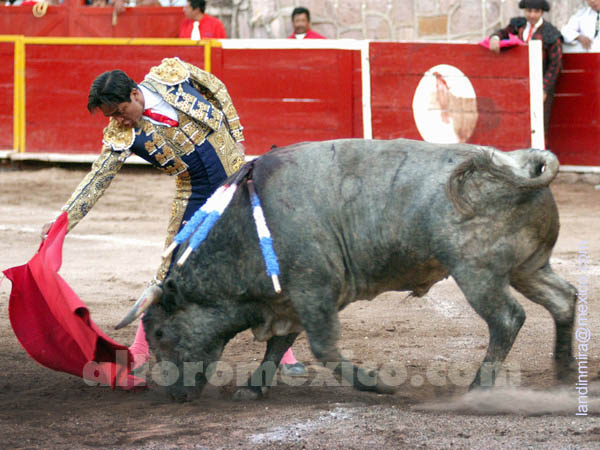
[
  {"x": 301, "y": 24},
  {"x": 199, "y": 25},
  {"x": 533, "y": 26},
  {"x": 98, "y": 3},
  {"x": 582, "y": 30}
]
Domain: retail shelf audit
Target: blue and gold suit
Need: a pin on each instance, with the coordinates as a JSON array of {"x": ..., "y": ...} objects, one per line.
[{"x": 201, "y": 151}]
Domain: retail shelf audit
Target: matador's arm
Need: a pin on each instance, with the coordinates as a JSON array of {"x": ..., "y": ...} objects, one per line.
[{"x": 93, "y": 186}]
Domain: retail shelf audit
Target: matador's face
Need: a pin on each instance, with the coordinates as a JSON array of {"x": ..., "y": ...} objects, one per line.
[
  {"x": 127, "y": 114},
  {"x": 533, "y": 15}
]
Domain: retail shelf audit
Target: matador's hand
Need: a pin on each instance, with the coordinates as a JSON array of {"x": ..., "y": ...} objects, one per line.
[
  {"x": 45, "y": 229},
  {"x": 495, "y": 44}
]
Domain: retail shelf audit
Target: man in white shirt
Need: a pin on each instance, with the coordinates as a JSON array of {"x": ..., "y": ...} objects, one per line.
[{"x": 582, "y": 31}]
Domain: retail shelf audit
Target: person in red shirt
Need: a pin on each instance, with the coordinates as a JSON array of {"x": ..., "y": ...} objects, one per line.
[
  {"x": 199, "y": 25},
  {"x": 301, "y": 23}
]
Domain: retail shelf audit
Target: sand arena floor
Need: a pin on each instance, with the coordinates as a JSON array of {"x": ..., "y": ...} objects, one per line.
[{"x": 110, "y": 256}]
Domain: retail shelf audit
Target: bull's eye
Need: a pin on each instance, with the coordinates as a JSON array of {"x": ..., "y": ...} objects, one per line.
[{"x": 158, "y": 333}]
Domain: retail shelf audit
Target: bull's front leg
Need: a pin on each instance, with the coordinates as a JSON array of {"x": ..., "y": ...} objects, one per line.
[
  {"x": 322, "y": 329},
  {"x": 262, "y": 378}
]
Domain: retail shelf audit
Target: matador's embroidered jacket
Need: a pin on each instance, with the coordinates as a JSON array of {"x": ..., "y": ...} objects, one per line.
[{"x": 201, "y": 151}]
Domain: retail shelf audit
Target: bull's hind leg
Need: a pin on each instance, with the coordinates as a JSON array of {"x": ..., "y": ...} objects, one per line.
[
  {"x": 490, "y": 297},
  {"x": 558, "y": 297},
  {"x": 262, "y": 378}
]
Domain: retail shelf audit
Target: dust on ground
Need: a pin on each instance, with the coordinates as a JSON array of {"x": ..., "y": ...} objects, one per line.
[{"x": 435, "y": 341}]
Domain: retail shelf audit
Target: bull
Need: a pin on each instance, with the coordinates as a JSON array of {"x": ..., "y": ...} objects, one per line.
[{"x": 352, "y": 219}]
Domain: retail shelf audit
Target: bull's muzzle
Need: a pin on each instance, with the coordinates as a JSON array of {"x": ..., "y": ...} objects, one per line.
[{"x": 151, "y": 295}]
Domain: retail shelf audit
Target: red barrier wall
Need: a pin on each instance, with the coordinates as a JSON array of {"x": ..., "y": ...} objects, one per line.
[
  {"x": 280, "y": 101},
  {"x": 6, "y": 99},
  {"x": 58, "y": 78},
  {"x": 293, "y": 95},
  {"x": 134, "y": 22},
  {"x": 20, "y": 20},
  {"x": 71, "y": 19},
  {"x": 502, "y": 97},
  {"x": 290, "y": 95},
  {"x": 575, "y": 123}
]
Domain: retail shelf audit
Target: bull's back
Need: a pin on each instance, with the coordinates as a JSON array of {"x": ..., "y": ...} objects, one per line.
[
  {"x": 347, "y": 174},
  {"x": 361, "y": 209}
]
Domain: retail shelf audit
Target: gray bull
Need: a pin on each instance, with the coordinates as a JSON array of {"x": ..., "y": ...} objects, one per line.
[{"x": 351, "y": 219}]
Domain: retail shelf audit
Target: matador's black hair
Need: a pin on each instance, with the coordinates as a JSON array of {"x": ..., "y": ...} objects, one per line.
[{"x": 110, "y": 88}]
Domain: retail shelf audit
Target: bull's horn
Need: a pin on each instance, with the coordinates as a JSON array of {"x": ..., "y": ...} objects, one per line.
[{"x": 151, "y": 295}]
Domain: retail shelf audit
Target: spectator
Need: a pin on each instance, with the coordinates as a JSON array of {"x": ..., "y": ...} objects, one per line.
[
  {"x": 301, "y": 24},
  {"x": 582, "y": 31},
  {"x": 199, "y": 25},
  {"x": 99, "y": 3},
  {"x": 533, "y": 26}
]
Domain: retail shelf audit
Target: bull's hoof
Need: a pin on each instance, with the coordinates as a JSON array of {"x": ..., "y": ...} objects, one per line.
[
  {"x": 566, "y": 373},
  {"x": 475, "y": 386},
  {"x": 374, "y": 384},
  {"x": 382, "y": 388},
  {"x": 245, "y": 394}
]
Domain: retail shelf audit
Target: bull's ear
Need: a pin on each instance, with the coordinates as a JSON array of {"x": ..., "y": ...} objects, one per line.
[{"x": 172, "y": 296}]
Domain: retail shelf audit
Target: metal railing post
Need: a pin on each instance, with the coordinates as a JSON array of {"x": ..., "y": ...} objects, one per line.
[{"x": 19, "y": 96}]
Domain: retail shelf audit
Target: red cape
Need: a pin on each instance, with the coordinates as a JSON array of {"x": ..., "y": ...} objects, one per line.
[
  {"x": 504, "y": 43},
  {"x": 54, "y": 325}
]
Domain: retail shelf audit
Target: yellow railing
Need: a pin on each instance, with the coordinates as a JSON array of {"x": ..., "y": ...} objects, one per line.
[{"x": 19, "y": 116}]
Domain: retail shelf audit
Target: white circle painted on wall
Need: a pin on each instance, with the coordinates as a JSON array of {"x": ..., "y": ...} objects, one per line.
[{"x": 445, "y": 106}]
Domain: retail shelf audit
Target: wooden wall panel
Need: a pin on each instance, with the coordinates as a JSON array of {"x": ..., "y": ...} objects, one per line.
[
  {"x": 20, "y": 20},
  {"x": 6, "y": 99},
  {"x": 58, "y": 78},
  {"x": 575, "y": 122},
  {"x": 286, "y": 96},
  {"x": 135, "y": 22},
  {"x": 293, "y": 95},
  {"x": 502, "y": 96},
  {"x": 71, "y": 19}
]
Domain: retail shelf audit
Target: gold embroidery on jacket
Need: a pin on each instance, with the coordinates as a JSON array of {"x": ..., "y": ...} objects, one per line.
[
  {"x": 183, "y": 192},
  {"x": 227, "y": 150},
  {"x": 187, "y": 103},
  {"x": 93, "y": 186},
  {"x": 118, "y": 137},
  {"x": 170, "y": 71},
  {"x": 216, "y": 93}
]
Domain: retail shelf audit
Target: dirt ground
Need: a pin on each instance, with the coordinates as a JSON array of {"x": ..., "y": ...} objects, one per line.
[{"x": 438, "y": 339}]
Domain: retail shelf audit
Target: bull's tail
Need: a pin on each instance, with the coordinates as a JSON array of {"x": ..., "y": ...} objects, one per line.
[{"x": 520, "y": 170}]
